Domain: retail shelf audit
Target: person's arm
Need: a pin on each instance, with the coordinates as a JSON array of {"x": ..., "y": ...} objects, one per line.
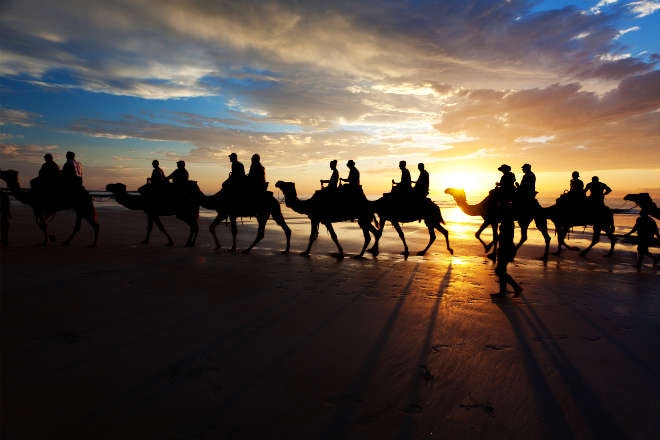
[{"x": 607, "y": 190}]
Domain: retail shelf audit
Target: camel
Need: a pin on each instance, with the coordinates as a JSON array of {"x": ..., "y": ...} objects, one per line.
[
  {"x": 644, "y": 201},
  {"x": 5, "y": 215},
  {"x": 564, "y": 218},
  {"x": 327, "y": 208},
  {"x": 154, "y": 206},
  {"x": 486, "y": 209},
  {"x": 262, "y": 208},
  {"x": 395, "y": 210},
  {"x": 76, "y": 199}
]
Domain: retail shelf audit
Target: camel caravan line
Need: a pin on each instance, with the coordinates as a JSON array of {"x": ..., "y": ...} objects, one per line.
[{"x": 346, "y": 202}]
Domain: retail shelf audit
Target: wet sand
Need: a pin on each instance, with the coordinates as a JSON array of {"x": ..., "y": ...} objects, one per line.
[{"x": 132, "y": 341}]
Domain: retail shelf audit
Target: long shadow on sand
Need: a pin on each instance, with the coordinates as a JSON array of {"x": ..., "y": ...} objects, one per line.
[
  {"x": 356, "y": 390},
  {"x": 598, "y": 421}
]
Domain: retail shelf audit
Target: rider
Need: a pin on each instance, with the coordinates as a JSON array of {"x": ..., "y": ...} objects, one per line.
[
  {"x": 576, "y": 185},
  {"x": 257, "y": 174},
  {"x": 527, "y": 187},
  {"x": 157, "y": 175},
  {"x": 422, "y": 183},
  {"x": 353, "y": 180},
  {"x": 597, "y": 191},
  {"x": 72, "y": 170},
  {"x": 49, "y": 170},
  {"x": 405, "y": 185},
  {"x": 333, "y": 181},
  {"x": 237, "y": 174},
  {"x": 179, "y": 177},
  {"x": 506, "y": 186}
]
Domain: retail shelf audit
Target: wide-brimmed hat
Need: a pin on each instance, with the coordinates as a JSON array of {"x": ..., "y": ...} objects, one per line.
[{"x": 504, "y": 167}]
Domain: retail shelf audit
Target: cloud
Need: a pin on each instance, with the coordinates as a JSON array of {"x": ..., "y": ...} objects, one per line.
[
  {"x": 17, "y": 117},
  {"x": 644, "y": 8}
]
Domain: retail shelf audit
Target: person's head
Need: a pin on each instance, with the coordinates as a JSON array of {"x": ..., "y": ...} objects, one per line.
[
  {"x": 526, "y": 167},
  {"x": 48, "y": 157},
  {"x": 181, "y": 164},
  {"x": 233, "y": 157},
  {"x": 504, "y": 168},
  {"x": 256, "y": 158},
  {"x": 70, "y": 155},
  {"x": 420, "y": 166},
  {"x": 333, "y": 164},
  {"x": 350, "y": 163},
  {"x": 155, "y": 163},
  {"x": 594, "y": 179},
  {"x": 402, "y": 164},
  {"x": 575, "y": 174}
]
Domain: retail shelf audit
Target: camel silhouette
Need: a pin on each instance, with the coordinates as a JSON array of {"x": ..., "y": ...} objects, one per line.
[
  {"x": 185, "y": 208},
  {"x": 566, "y": 217},
  {"x": 410, "y": 208},
  {"x": 644, "y": 201},
  {"x": 487, "y": 209},
  {"x": 5, "y": 215},
  {"x": 61, "y": 198},
  {"x": 327, "y": 208},
  {"x": 261, "y": 206}
]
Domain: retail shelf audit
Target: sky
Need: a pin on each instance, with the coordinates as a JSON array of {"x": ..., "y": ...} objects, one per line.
[{"x": 459, "y": 85}]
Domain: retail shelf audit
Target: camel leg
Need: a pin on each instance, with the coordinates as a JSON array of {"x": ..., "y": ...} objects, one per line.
[
  {"x": 483, "y": 226},
  {"x": 432, "y": 237},
  {"x": 159, "y": 224},
  {"x": 279, "y": 219},
  {"x": 595, "y": 238},
  {"x": 261, "y": 232},
  {"x": 95, "y": 227},
  {"x": 524, "y": 225},
  {"x": 218, "y": 219},
  {"x": 397, "y": 228},
  {"x": 234, "y": 233},
  {"x": 542, "y": 226},
  {"x": 194, "y": 230},
  {"x": 333, "y": 235},
  {"x": 76, "y": 228},
  {"x": 313, "y": 235},
  {"x": 366, "y": 228},
  {"x": 610, "y": 234},
  {"x": 43, "y": 225},
  {"x": 378, "y": 232},
  {"x": 445, "y": 232}
]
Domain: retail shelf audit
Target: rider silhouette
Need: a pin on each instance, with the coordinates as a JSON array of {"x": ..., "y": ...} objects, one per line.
[
  {"x": 157, "y": 175},
  {"x": 179, "y": 177},
  {"x": 527, "y": 187},
  {"x": 597, "y": 191},
  {"x": 353, "y": 180},
  {"x": 405, "y": 185},
  {"x": 647, "y": 230},
  {"x": 237, "y": 174},
  {"x": 505, "y": 188},
  {"x": 333, "y": 181},
  {"x": 257, "y": 174},
  {"x": 72, "y": 171},
  {"x": 576, "y": 185},
  {"x": 422, "y": 183}
]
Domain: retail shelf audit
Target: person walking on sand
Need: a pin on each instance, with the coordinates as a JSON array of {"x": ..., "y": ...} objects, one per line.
[
  {"x": 647, "y": 230},
  {"x": 506, "y": 252},
  {"x": 333, "y": 181}
]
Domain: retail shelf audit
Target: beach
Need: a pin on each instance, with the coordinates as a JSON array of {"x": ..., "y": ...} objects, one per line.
[{"x": 146, "y": 341}]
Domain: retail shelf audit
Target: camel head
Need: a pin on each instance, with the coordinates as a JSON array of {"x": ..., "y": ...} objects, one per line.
[
  {"x": 287, "y": 188},
  {"x": 641, "y": 199},
  {"x": 116, "y": 188},
  {"x": 10, "y": 177},
  {"x": 456, "y": 193}
]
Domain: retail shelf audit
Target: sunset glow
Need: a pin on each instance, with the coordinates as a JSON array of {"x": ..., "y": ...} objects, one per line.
[{"x": 460, "y": 86}]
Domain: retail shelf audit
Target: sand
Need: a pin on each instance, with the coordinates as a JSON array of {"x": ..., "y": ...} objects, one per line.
[{"x": 132, "y": 341}]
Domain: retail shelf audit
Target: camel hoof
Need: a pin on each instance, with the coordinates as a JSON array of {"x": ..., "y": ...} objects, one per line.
[
  {"x": 338, "y": 255},
  {"x": 284, "y": 252},
  {"x": 373, "y": 251},
  {"x": 246, "y": 252},
  {"x": 304, "y": 254},
  {"x": 451, "y": 251},
  {"x": 491, "y": 256},
  {"x": 421, "y": 253}
]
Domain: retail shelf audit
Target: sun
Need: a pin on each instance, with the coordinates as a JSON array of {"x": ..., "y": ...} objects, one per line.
[{"x": 475, "y": 183}]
